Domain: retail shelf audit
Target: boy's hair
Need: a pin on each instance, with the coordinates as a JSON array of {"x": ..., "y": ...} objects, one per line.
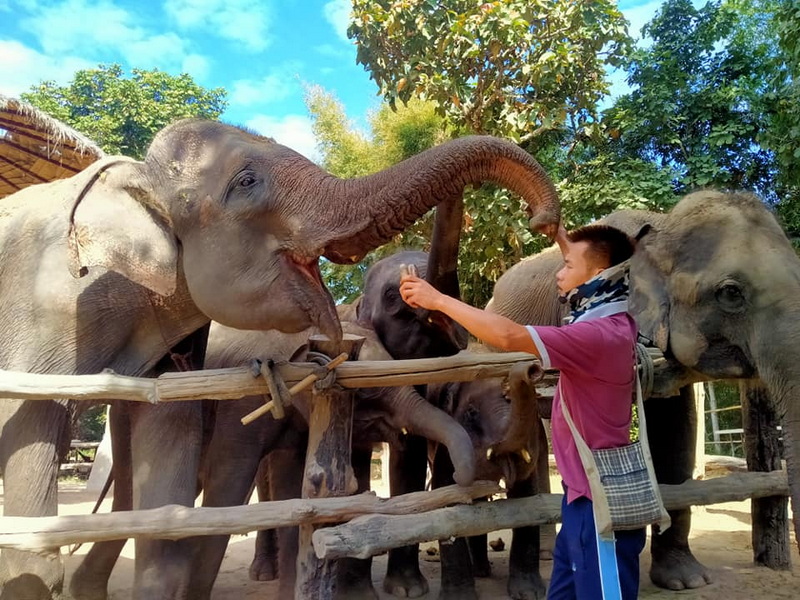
[{"x": 606, "y": 245}]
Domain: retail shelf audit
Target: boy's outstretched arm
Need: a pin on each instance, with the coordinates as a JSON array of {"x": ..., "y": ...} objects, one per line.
[{"x": 491, "y": 328}]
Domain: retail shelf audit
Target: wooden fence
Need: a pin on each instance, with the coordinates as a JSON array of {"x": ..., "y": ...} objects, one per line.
[{"x": 374, "y": 524}]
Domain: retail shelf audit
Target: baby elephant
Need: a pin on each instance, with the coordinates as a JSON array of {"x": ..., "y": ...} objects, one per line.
[{"x": 502, "y": 418}]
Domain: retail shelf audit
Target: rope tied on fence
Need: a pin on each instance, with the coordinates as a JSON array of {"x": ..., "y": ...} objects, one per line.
[
  {"x": 646, "y": 370},
  {"x": 326, "y": 376}
]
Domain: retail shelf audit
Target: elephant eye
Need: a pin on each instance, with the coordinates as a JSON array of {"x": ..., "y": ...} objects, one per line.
[
  {"x": 247, "y": 181},
  {"x": 730, "y": 296}
]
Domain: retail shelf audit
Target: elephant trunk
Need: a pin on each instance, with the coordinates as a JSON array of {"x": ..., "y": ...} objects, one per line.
[
  {"x": 524, "y": 408},
  {"x": 411, "y": 411},
  {"x": 778, "y": 372},
  {"x": 351, "y": 217}
]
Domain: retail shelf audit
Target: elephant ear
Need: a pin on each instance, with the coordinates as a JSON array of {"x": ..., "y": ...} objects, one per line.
[
  {"x": 649, "y": 300},
  {"x": 117, "y": 224}
]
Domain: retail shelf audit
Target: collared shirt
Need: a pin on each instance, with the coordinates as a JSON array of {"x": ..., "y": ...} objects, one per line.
[{"x": 596, "y": 357}]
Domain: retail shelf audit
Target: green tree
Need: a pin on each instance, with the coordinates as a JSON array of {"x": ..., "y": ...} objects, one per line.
[
  {"x": 783, "y": 134},
  {"x": 123, "y": 114},
  {"x": 696, "y": 106},
  {"x": 346, "y": 152},
  {"x": 513, "y": 68}
]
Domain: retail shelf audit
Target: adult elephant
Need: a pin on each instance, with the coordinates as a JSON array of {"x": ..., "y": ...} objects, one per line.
[
  {"x": 215, "y": 223},
  {"x": 716, "y": 285}
]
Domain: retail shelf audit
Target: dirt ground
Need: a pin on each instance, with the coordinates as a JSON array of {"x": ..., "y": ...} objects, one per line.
[{"x": 720, "y": 539}]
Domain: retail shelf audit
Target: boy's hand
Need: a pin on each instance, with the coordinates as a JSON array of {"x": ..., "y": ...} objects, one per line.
[{"x": 418, "y": 293}]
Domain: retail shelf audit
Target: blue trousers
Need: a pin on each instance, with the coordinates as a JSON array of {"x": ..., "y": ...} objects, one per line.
[{"x": 576, "y": 566}]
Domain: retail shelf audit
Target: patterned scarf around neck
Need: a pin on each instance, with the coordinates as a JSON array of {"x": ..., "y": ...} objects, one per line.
[{"x": 606, "y": 287}]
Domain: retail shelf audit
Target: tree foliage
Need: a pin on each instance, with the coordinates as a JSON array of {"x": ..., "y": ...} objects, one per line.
[
  {"x": 122, "y": 115},
  {"x": 513, "y": 68},
  {"x": 347, "y": 152},
  {"x": 696, "y": 104}
]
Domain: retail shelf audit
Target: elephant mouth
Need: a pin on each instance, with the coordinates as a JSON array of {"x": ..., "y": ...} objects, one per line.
[{"x": 308, "y": 268}]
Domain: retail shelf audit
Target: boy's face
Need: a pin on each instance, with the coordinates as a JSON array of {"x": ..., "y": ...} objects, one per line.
[{"x": 579, "y": 267}]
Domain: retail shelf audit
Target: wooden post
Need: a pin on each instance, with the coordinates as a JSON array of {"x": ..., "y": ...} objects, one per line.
[
  {"x": 328, "y": 470},
  {"x": 770, "y": 517}
]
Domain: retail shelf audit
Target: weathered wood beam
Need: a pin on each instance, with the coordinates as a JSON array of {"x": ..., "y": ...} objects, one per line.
[
  {"x": 369, "y": 535},
  {"x": 237, "y": 382},
  {"x": 175, "y": 522}
]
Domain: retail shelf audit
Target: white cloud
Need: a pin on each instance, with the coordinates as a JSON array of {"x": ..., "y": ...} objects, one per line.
[
  {"x": 67, "y": 27},
  {"x": 21, "y": 67},
  {"x": 197, "y": 66},
  {"x": 102, "y": 32},
  {"x": 277, "y": 85},
  {"x": 337, "y": 13},
  {"x": 241, "y": 21},
  {"x": 294, "y": 131}
]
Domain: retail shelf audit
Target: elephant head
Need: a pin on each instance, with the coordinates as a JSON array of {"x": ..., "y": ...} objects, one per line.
[
  {"x": 501, "y": 416},
  {"x": 716, "y": 284},
  {"x": 406, "y": 332},
  {"x": 244, "y": 220}
]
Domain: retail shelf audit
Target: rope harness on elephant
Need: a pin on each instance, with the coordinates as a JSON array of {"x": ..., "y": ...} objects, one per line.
[{"x": 646, "y": 370}]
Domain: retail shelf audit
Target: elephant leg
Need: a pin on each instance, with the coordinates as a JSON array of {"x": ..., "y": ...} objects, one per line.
[
  {"x": 408, "y": 468},
  {"x": 90, "y": 579},
  {"x": 354, "y": 575},
  {"x": 524, "y": 580},
  {"x": 286, "y": 468},
  {"x": 30, "y": 464},
  {"x": 672, "y": 428},
  {"x": 458, "y": 581},
  {"x": 232, "y": 461},
  {"x": 547, "y": 533},
  {"x": 265, "y": 558},
  {"x": 165, "y": 445},
  {"x": 479, "y": 554}
]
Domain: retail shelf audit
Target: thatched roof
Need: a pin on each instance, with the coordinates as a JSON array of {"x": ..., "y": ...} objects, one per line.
[{"x": 36, "y": 148}]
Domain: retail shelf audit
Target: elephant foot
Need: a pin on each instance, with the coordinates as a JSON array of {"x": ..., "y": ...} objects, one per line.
[
  {"x": 678, "y": 569},
  {"x": 406, "y": 583},
  {"x": 460, "y": 592},
  {"x": 359, "y": 591},
  {"x": 527, "y": 587},
  {"x": 482, "y": 569},
  {"x": 84, "y": 588},
  {"x": 263, "y": 568}
]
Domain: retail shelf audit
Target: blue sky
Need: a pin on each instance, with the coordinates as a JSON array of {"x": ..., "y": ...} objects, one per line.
[{"x": 262, "y": 51}]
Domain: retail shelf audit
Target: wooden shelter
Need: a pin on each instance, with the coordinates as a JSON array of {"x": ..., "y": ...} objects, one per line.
[{"x": 36, "y": 148}]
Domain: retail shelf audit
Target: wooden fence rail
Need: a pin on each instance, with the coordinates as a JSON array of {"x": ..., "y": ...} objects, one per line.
[
  {"x": 238, "y": 382},
  {"x": 422, "y": 517}
]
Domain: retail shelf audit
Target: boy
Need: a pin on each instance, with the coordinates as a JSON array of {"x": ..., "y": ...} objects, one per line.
[{"x": 595, "y": 353}]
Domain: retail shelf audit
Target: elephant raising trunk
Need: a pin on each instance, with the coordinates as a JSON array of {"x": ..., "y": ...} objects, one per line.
[{"x": 364, "y": 213}]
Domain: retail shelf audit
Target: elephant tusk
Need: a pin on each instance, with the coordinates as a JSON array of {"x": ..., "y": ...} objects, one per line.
[
  {"x": 489, "y": 453},
  {"x": 526, "y": 456},
  {"x": 404, "y": 430}
]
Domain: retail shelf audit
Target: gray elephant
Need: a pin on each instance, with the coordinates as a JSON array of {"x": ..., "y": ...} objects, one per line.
[
  {"x": 511, "y": 446},
  {"x": 408, "y": 333},
  {"x": 126, "y": 263},
  {"x": 235, "y": 451},
  {"x": 715, "y": 284}
]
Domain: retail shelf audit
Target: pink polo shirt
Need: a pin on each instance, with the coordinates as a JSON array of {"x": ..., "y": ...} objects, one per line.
[{"x": 596, "y": 357}]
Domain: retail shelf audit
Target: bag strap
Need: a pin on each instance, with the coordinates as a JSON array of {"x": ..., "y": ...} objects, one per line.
[{"x": 600, "y": 501}]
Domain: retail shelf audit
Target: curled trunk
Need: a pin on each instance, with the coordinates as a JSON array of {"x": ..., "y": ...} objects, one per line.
[
  {"x": 408, "y": 409},
  {"x": 524, "y": 407},
  {"x": 354, "y": 216}
]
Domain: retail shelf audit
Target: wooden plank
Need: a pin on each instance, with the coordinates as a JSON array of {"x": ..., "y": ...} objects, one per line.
[
  {"x": 175, "y": 522},
  {"x": 369, "y": 535}
]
